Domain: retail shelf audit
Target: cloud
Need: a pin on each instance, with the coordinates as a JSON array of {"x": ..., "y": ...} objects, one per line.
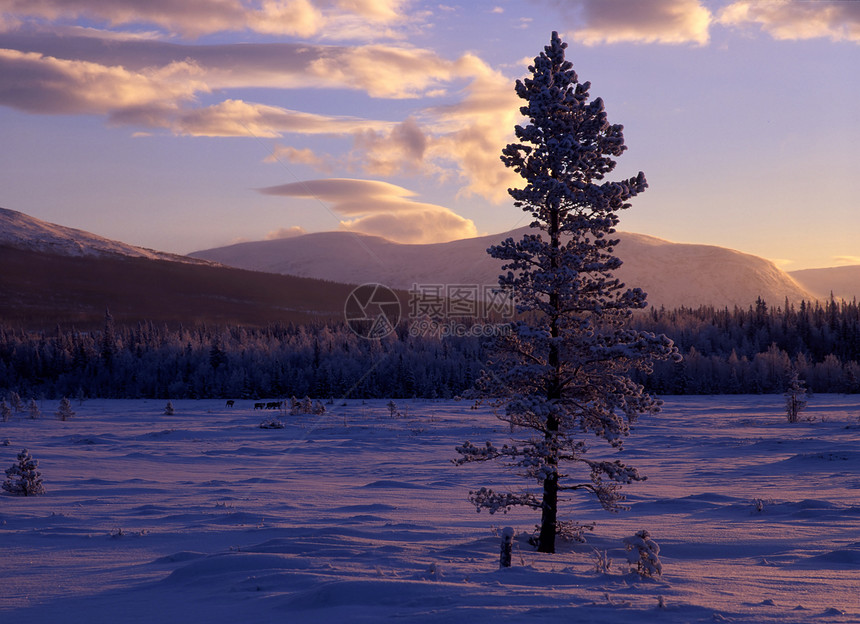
[
  {"x": 834, "y": 19},
  {"x": 32, "y": 82},
  {"x": 617, "y": 21},
  {"x": 290, "y": 232},
  {"x": 381, "y": 209},
  {"x": 386, "y": 153},
  {"x": 238, "y": 118},
  {"x": 299, "y": 156},
  {"x": 194, "y": 18},
  {"x": 472, "y": 132},
  {"x": 457, "y": 142},
  {"x": 388, "y": 71},
  {"x": 846, "y": 260}
]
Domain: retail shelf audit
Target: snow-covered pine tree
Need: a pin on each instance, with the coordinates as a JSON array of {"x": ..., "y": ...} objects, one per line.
[
  {"x": 15, "y": 402},
  {"x": 5, "y": 411},
  {"x": 65, "y": 411},
  {"x": 33, "y": 409},
  {"x": 562, "y": 370},
  {"x": 22, "y": 479},
  {"x": 168, "y": 409},
  {"x": 643, "y": 553},
  {"x": 795, "y": 397}
]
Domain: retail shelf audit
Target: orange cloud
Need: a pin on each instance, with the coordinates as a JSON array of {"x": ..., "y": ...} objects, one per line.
[
  {"x": 290, "y": 232},
  {"x": 43, "y": 84},
  {"x": 193, "y": 18},
  {"x": 300, "y": 156},
  {"x": 656, "y": 21},
  {"x": 248, "y": 119},
  {"x": 833, "y": 19},
  {"x": 381, "y": 209}
]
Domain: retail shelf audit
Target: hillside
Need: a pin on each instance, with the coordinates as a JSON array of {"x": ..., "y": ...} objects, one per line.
[
  {"x": 41, "y": 290},
  {"x": 673, "y": 274},
  {"x": 843, "y": 281}
]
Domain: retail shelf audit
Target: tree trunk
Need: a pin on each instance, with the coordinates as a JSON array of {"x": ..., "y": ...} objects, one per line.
[
  {"x": 549, "y": 514},
  {"x": 546, "y": 538}
]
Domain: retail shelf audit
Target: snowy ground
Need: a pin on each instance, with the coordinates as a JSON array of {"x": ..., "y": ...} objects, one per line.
[{"x": 360, "y": 517}]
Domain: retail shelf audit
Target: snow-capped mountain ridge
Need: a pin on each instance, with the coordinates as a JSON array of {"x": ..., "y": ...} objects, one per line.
[
  {"x": 673, "y": 274},
  {"x": 25, "y": 232}
]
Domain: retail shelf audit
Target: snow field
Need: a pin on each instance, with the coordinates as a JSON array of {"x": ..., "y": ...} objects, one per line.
[{"x": 358, "y": 516}]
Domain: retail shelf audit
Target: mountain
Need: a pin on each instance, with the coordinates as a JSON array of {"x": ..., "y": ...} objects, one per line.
[
  {"x": 843, "y": 281},
  {"x": 53, "y": 275},
  {"x": 25, "y": 232},
  {"x": 673, "y": 274}
]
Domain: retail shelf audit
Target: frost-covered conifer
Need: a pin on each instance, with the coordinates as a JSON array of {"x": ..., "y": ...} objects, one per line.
[
  {"x": 642, "y": 552},
  {"x": 168, "y": 409},
  {"x": 22, "y": 479},
  {"x": 5, "y": 411},
  {"x": 15, "y": 402},
  {"x": 561, "y": 373},
  {"x": 795, "y": 397},
  {"x": 65, "y": 411},
  {"x": 33, "y": 409}
]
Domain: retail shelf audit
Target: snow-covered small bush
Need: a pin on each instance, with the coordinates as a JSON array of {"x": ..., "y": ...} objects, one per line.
[
  {"x": 168, "y": 409},
  {"x": 642, "y": 553},
  {"x": 5, "y": 411},
  {"x": 33, "y": 409},
  {"x": 306, "y": 406},
  {"x": 271, "y": 423},
  {"x": 795, "y": 397},
  {"x": 22, "y": 479},
  {"x": 570, "y": 531},
  {"x": 602, "y": 562},
  {"x": 65, "y": 411}
]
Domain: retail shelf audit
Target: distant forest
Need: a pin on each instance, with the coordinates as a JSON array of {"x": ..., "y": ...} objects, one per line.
[{"x": 740, "y": 351}]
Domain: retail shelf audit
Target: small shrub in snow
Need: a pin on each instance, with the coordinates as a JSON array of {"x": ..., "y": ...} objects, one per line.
[
  {"x": 570, "y": 531},
  {"x": 642, "y": 552},
  {"x": 602, "y": 562},
  {"x": 306, "y": 406},
  {"x": 271, "y": 423},
  {"x": 434, "y": 572},
  {"x": 22, "y": 479},
  {"x": 795, "y": 398},
  {"x": 168, "y": 409},
  {"x": 33, "y": 409},
  {"x": 5, "y": 411},
  {"x": 392, "y": 408},
  {"x": 64, "y": 411},
  {"x": 759, "y": 504}
]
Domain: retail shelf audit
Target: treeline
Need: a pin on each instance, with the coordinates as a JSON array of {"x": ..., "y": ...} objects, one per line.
[
  {"x": 753, "y": 350},
  {"x": 279, "y": 361},
  {"x": 725, "y": 351}
]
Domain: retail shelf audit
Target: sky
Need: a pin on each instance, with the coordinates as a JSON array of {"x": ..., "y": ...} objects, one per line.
[{"x": 182, "y": 126}]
